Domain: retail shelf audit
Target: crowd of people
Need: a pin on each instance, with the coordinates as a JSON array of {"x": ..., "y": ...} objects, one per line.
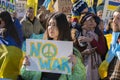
[{"x": 95, "y": 57}]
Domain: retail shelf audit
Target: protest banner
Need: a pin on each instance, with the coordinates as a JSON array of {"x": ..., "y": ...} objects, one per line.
[
  {"x": 109, "y": 8},
  {"x": 49, "y": 56},
  {"x": 63, "y": 6},
  {"x": 7, "y": 5},
  {"x": 4, "y": 79},
  {"x": 20, "y": 7}
]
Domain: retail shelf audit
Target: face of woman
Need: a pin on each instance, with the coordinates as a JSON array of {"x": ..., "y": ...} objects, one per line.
[
  {"x": 116, "y": 21},
  {"x": 89, "y": 23},
  {"x": 52, "y": 29},
  {"x": 2, "y": 23}
]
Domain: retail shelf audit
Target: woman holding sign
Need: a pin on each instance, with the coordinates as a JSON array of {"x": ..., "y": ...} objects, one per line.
[{"x": 58, "y": 29}]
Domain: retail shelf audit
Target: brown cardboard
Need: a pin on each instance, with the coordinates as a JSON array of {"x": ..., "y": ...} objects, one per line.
[{"x": 63, "y": 6}]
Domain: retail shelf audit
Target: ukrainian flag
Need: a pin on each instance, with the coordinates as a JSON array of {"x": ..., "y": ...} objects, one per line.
[
  {"x": 11, "y": 58},
  {"x": 46, "y": 3},
  {"x": 108, "y": 39},
  {"x": 112, "y": 5},
  {"x": 49, "y": 5}
]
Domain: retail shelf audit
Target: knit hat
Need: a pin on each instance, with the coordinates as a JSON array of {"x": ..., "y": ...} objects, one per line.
[
  {"x": 86, "y": 16},
  {"x": 78, "y": 7}
]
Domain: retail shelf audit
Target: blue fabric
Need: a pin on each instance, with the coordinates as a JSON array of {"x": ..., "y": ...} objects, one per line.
[
  {"x": 9, "y": 41},
  {"x": 46, "y": 2},
  {"x": 2, "y": 41},
  {"x": 114, "y": 48},
  {"x": 19, "y": 28},
  {"x": 118, "y": 52},
  {"x": 12, "y": 42}
]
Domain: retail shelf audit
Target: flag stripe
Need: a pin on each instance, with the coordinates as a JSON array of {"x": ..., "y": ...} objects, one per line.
[
  {"x": 110, "y": 7},
  {"x": 114, "y": 3}
]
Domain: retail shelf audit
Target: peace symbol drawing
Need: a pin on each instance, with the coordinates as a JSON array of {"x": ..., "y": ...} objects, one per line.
[{"x": 49, "y": 50}]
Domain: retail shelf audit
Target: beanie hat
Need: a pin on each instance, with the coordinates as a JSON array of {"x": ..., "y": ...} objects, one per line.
[
  {"x": 100, "y": 8},
  {"x": 78, "y": 7},
  {"x": 85, "y": 16}
]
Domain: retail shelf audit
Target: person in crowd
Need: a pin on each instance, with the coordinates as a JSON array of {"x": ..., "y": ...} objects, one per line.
[
  {"x": 100, "y": 14},
  {"x": 108, "y": 32},
  {"x": 75, "y": 35},
  {"x": 42, "y": 8},
  {"x": 42, "y": 16},
  {"x": 69, "y": 19},
  {"x": 78, "y": 7},
  {"x": 96, "y": 45},
  {"x": 17, "y": 24},
  {"x": 58, "y": 29},
  {"x": 30, "y": 24},
  {"x": 110, "y": 68},
  {"x": 109, "y": 26},
  {"x": 101, "y": 26},
  {"x": 11, "y": 55}
]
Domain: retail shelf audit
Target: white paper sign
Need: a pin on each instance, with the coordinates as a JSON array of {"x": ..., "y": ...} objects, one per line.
[
  {"x": 109, "y": 8},
  {"x": 49, "y": 56}
]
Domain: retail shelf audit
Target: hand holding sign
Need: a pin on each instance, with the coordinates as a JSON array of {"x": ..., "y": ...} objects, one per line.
[{"x": 72, "y": 59}]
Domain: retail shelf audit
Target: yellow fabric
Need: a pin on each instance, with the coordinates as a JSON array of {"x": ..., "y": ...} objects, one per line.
[
  {"x": 11, "y": 59},
  {"x": 73, "y": 1},
  {"x": 75, "y": 17},
  {"x": 110, "y": 7},
  {"x": 34, "y": 4},
  {"x": 103, "y": 69},
  {"x": 50, "y": 6},
  {"x": 99, "y": 2},
  {"x": 109, "y": 39},
  {"x": 89, "y": 2}
]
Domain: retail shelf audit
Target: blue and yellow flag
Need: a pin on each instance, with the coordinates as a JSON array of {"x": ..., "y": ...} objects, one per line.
[
  {"x": 91, "y": 2},
  {"x": 34, "y": 4},
  {"x": 49, "y": 5},
  {"x": 11, "y": 58},
  {"x": 112, "y": 5}
]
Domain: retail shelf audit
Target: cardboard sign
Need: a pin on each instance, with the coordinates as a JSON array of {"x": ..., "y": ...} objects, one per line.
[
  {"x": 49, "y": 56},
  {"x": 63, "y": 6}
]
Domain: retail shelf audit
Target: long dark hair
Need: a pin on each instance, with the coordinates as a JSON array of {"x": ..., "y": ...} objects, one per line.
[
  {"x": 62, "y": 25},
  {"x": 10, "y": 27}
]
